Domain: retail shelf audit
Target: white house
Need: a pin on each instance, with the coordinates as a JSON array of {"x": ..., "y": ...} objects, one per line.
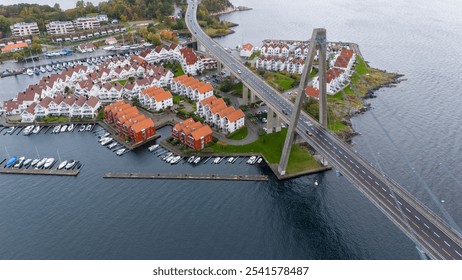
[{"x": 246, "y": 50}]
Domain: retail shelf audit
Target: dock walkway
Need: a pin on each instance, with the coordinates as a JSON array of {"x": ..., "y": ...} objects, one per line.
[
  {"x": 223, "y": 177},
  {"x": 39, "y": 171}
]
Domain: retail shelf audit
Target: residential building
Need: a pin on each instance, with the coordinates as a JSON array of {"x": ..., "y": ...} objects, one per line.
[
  {"x": 86, "y": 23},
  {"x": 246, "y": 50},
  {"x": 215, "y": 112},
  {"x": 60, "y": 27},
  {"x": 102, "y": 17},
  {"x": 24, "y": 29},
  {"x": 156, "y": 98},
  {"x": 191, "y": 88},
  {"x": 194, "y": 134},
  {"x": 13, "y": 47},
  {"x": 88, "y": 47}
]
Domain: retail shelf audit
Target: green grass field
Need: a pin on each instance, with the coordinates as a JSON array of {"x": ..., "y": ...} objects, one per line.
[{"x": 239, "y": 134}]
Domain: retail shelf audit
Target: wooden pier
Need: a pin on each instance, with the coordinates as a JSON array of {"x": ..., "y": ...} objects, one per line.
[
  {"x": 54, "y": 172},
  {"x": 183, "y": 176}
]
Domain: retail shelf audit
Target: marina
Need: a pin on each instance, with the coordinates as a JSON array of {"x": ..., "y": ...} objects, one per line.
[{"x": 55, "y": 172}]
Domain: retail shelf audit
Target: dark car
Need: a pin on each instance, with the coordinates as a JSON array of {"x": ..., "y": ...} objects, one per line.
[{"x": 284, "y": 112}]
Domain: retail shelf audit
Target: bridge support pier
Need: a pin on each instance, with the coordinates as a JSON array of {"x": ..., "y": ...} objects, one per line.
[
  {"x": 253, "y": 97},
  {"x": 219, "y": 67},
  {"x": 269, "y": 121},
  {"x": 317, "y": 42},
  {"x": 278, "y": 123},
  {"x": 245, "y": 95}
]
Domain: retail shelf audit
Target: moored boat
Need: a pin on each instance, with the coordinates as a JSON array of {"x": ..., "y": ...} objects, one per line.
[
  {"x": 62, "y": 165},
  {"x": 153, "y": 147},
  {"x": 19, "y": 162},
  {"x": 70, "y": 164},
  {"x": 48, "y": 163},
  {"x": 196, "y": 161},
  {"x": 70, "y": 127},
  {"x": 36, "y": 129},
  {"x": 120, "y": 152},
  {"x": 28, "y": 130},
  {"x": 10, "y": 130},
  {"x": 11, "y": 162},
  {"x": 27, "y": 162},
  {"x": 57, "y": 128},
  {"x": 230, "y": 160},
  {"x": 63, "y": 128},
  {"x": 82, "y": 128},
  {"x": 34, "y": 162},
  {"x": 41, "y": 162},
  {"x": 89, "y": 127}
]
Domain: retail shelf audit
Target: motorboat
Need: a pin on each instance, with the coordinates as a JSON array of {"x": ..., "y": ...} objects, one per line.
[
  {"x": 217, "y": 159},
  {"x": 82, "y": 128},
  {"x": 89, "y": 127},
  {"x": 11, "y": 162},
  {"x": 191, "y": 159},
  {"x": 112, "y": 145},
  {"x": 54, "y": 67},
  {"x": 63, "y": 128},
  {"x": 48, "y": 163},
  {"x": 27, "y": 162},
  {"x": 251, "y": 160},
  {"x": 34, "y": 162},
  {"x": 259, "y": 160},
  {"x": 28, "y": 130},
  {"x": 10, "y": 130},
  {"x": 62, "y": 165},
  {"x": 36, "y": 129},
  {"x": 102, "y": 139},
  {"x": 196, "y": 161},
  {"x": 57, "y": 128},
  {"x": 36, "y": 71},
  {"x": 49, "y": 68},
  {"x": 30, "y": 72},
  {"x": 70, "y": 127},
  {"x": 153, "y": 147},
  {"x": 43, "y": 69},
  {"x": 41, "y": 162},
  {"x": 19, "y": 162},
  {"x": 120, "y": 151},
  {"x": 106, "y": 141},
  {"x": 230, "y": 160},
  {"x": 105, "y": 135},
  {"x": 169, "y": 159},
  {"x": 167, "y": 156},
  {"x": 70, "y": 164},
  {"x": 175, "y": 159}
]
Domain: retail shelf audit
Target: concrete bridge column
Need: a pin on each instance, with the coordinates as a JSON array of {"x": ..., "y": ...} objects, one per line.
[
  {"x": 269, "y": 123},
  {"x": 278, "y": 123},
  {"x": 219, "y": 66},
  {"x": 245, "y": 95},
  {"x": 253, "y": 97}
]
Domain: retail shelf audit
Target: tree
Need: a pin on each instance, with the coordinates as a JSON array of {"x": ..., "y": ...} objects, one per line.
[
  {"x": 36, "y": 48},
  {"x": 4, "y": 24}
]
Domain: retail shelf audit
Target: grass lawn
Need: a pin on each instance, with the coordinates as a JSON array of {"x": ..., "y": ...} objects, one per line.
[
  {"x": 279, "y": 81},
  {"x": 270, "y": 146},
  {"x": 239, "y": 134},
  {"x": 178, "y": 71},
  {"x": 122, "y": 82},
  {"x": 55, "y": 119},
  {"x": 237, "y": 88},
  {"x": 255, "y": 54},
  {"x": 177, "y": 98}
]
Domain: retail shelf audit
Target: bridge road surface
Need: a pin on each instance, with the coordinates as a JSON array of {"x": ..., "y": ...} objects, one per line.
[{"x": 433, "y": 235}]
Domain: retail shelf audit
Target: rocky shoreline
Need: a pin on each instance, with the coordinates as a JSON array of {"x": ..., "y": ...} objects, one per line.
[{"x": 231, "y": 10}]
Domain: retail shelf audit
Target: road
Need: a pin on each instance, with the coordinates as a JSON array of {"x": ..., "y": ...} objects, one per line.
[{"x": 431, "y": 234}]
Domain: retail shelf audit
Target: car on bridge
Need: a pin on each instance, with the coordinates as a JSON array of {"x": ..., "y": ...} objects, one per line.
[
  {"x": 309, "y": 133},
  {"x": 239, "y": 71}
]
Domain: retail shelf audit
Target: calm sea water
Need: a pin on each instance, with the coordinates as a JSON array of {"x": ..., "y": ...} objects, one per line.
[{"x": 412, "y": 133}]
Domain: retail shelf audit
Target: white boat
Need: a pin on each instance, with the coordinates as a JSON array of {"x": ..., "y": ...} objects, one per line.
[
  {"x": 10, "y": 130},
  {"x": 166, "y": 156},
  {"x": 82, "y": 128},
  {"x": 89, "y": 127},
  {"x": 49, "y": 69},
  {"x": 34, "y": 162},
  {"x": 169, "y": 159},
  {"x": 30, "y": 72},
  {"x": 27, "y": 162},
  {"x": 63, "y": 128},
  {"x": 112, "y": 145},
  {"x": 196, "y": 161},
  {"x": 41, "y": 162},
  {"x": 70, "y": 164},
  {"x": 259, "y": 160},
  {"x": 106, "y": 141},
  {"x": 217, "y": 159},
  {"x": 153, "y": 147},
  {"x": 42, "y": 69},
  {"x": 28, "y": 130},
  {"x": 251, "y": 159},
  {"x": 48, "y": 163},
  {"x": 175, "y": 160},
  {"x": 191, "y": 159},
  {"x": 19, "y": 162},
  {"x": 230, "y": 160},
  {"x": 62, "y": 165},
  {"x": 57, "y": 129},
  {"x": 120, "y": 152},
  {"x": 70, "y": 127},
  {"x": 316, "y": 183},
  {"x": 36, "y": 129}
]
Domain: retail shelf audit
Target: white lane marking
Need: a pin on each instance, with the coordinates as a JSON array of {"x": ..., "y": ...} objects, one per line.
[
  {"x": 364, "y": 172},
  {"x": 436, "y": 234},
  {"x": 369, "y": 177},
  {"x": 416, "y": 217},
  {"x": 340, "y": 152},
  {"x": 458, "y": 253},
  {"x": 384, "y": 189},
  {"x": 335, "y": 147},
  {"x": 357, "y": 166},
  {"x": 408, "y": 210},
  {"x": 390, "y": 195},
  {"x": 376, "y": 183},
  {"x": 400, "y": 202},
  {"x": 351, "y": 161},
  {"x": 426, "y": 225},
  {"x": 447, "y": 243}
]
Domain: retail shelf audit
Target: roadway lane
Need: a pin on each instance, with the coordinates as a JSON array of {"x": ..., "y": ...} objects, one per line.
[{"x": 425, "y": 228}]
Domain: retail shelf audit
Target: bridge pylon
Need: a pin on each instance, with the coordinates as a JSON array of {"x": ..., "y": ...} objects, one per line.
[{"x": 318, "y": 44}]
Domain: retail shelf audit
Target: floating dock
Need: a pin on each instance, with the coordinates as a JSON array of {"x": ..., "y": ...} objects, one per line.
[
  {"x": 39, "y": 171},
  {"x": 222, "y": 177}
]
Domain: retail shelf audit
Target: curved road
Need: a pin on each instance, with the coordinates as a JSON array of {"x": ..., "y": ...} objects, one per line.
[{"x": 433, "y": 235}]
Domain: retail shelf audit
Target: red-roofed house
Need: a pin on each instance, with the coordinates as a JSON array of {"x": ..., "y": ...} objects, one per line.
[
  {"x": 246, "y": 50},
  {"x": 28, "y": 115},
  {"x": 194, "y": 134},
  {"x": 312, "y": 92}
]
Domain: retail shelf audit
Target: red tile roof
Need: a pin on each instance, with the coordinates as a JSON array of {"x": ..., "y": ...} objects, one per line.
[
  {"x": 201, "y": 132},
  {"x": 312, "y": 92}
]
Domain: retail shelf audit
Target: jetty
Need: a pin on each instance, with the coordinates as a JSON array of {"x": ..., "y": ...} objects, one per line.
[
  {"x": 55, "y": 172},
  {"x": 183, "y": 176}
]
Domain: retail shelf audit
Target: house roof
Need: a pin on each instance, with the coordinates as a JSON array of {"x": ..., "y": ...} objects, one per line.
[
  {"x": 31, "y": 108},
  {"x": 189, "y": 56},
  {"x": 333, "y": 73},
  {"x": 145, "y": 124},
  {"x": 201, "y": 132},
  {"x": 236, "y": 115},
  {"x": 312, "y": 92},
  {"x": 10, "y": 47},
  {"x": 92, "y": 101},
  {"x": 248, "y": 47},
  {"x": 45, "y": 101},
  {"x": 11, "y": 105},
  {"x": 162, "y": 95}
]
